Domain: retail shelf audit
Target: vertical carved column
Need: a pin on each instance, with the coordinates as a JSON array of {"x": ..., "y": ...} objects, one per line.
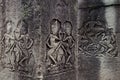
[
  {"x": 59, "y": 39},
  {"x": 107, "y": 64},
  {"x": 0, "y": 26},
  {"x": 10, "y": 10},
  {"x": 97, "y": 40},
  {"x": 2, "y": 19}
]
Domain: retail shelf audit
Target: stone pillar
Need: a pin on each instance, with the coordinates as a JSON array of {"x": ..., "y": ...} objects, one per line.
[
  {"x": 2, "y": 19},
  {"x": 62, "y": 13},
  {"x": 98, "y": 45}
]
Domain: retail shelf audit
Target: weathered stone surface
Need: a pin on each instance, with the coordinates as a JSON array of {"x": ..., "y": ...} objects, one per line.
[
  {"x": 59, "y": 40},
  {"x": 95, "y": 64}
]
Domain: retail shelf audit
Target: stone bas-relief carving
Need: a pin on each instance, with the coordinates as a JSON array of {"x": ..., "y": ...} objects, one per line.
[
  {"x": 56, "y": 52},
  {"x": 68, "y": 41},
  {"x": 8, "y": 41},
  {"x": 97, "y": 40},
  {"x": 59, "y": 44},
  {"x": 18, "y": 56},
  {"x": 45, "y": 45},
  {"x": 25, "y": 44}
]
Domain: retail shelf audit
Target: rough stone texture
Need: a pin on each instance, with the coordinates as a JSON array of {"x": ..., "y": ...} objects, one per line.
[
  {"x": 92, "y": 66},
  {"x": 59, "y": 40}
]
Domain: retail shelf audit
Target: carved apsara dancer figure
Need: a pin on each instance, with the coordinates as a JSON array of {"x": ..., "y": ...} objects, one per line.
[
  {"x": 108, "y": 41},
  {"x": 68, "y": 41},
  {"x": 24, "y": 44},
  {"x": 55, "y": 52},
  {"x": 8, "y": 42}
]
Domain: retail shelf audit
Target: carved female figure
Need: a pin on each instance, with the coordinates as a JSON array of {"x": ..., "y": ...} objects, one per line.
[
  {"x": 108, "y": 41},
  {"x": 68, "y": 41},
  {"x": 55, "y": 52},
  {"x": 24, "y": 43},
  {"x": 8, "y": 41}
]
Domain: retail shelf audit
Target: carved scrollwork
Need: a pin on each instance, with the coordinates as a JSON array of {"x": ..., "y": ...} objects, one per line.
[{"x": 97, "y": 39}]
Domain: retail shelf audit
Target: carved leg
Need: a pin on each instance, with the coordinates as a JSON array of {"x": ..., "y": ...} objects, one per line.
[
  {"x": 24, "y": 58},
  {"x": 52, "y": 58},
  {"x": 69, "y": 56}
]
